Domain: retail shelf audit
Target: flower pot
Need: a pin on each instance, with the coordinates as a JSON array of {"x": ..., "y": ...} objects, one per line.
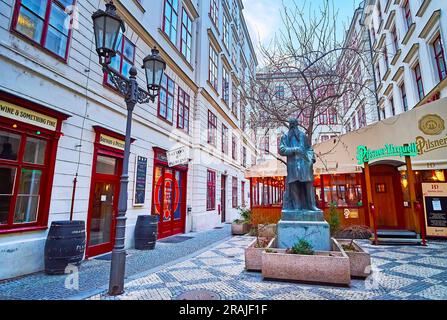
[
  {"x": 360, "y": 260},
  {"x": 324, "y": 267},
  {"x": 240, "y": 228},
  {"x": 253, "y": 255}
]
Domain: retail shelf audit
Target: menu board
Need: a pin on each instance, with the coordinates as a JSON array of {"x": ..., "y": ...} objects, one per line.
[
  {"x": 140, "y": 181},
  {"x": 435, "y": 208}
]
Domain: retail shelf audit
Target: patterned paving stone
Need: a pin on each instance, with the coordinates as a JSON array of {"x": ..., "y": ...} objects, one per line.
[{"x": 399, "y": 272}]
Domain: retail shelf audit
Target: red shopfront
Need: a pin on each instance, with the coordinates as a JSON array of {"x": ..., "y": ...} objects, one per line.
[
  {"x": 169, "y": 195},
  {"x": 29, "y": 136},
  {"x": 104, "y": 191}
]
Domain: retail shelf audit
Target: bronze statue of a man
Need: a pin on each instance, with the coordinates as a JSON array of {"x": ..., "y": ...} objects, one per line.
[{"x": 299, "y": 193}]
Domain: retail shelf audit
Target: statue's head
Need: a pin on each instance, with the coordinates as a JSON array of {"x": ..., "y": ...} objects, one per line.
[{"x": 293, "y": 123}]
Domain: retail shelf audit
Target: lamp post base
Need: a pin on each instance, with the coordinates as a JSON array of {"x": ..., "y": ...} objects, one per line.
[{"x": 117, "y": 270}]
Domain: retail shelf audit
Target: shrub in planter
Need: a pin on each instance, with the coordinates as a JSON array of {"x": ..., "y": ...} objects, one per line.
[
  {"x": 306, "y": 265},
  {"x": 242, "y": 226},
  {"x": 253, "y": 253}
]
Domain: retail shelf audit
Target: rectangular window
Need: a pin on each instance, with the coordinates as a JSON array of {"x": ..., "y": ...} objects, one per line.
[
  {"x": 322, "y": 118},
  {"x": 243, "y": 193},
  {"x": 244, "y": 156},
  {"x": 186, "y": 36},
  {"x": 234, "y": 192},
  {"x": 385, "y": 56},
  {"x": 212, "y": 128},
  {"x": 225, "y": 86},
  {"x": 213, "y": 63},
  {"x": 224, "y": 139},
  {"x": 379, "y": 77},
  {"x": 166, "y": 99},
  {"x": 170, "y": 20},
  {"x": 393, "y": 109},
  {"x": 226, "y": 31},
  {"x": 332, "y": 116},
  {"x": 362, "y": 116},
  {"x": 265, "y": 145},
  {"x": 234, "y": 101},
  {"x": 419, "y": 83},
  {"x": 279, "y": 92},
  {"x": 214, "y": 12},
  {"x": 233, "y": 147},
  {"x": 354, "y": 122},
  {"x": 211, "y": 191},
  {"x": 407, "y": 14},
  {"x": 403, "y": 94},
  {"x": 439, "y": 58},
  {"x": 243, "y": 117},
  {"x": 183, "y": 110},
  {"x": 23, "y": 163},
  {"x": 124, "y": 59},
  {"x": 43, "y": 22},
  {"x": 395, "y": 38}
]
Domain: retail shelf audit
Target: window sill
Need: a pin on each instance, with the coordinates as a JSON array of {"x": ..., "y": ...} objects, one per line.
[
  {"x": 23, "y": 229},
  {"x": 165, "y": 120},
  {"x": 396, "y": 57},
  {"x": 139, "y": 5},
  {"x": 409, "y": 33},
  {"x": 423, "y": 8}
]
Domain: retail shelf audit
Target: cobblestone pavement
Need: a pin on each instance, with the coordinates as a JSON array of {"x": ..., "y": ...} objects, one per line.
[
  {"x": 399, "y": 272},
  {"x": 94, "y": 273}
]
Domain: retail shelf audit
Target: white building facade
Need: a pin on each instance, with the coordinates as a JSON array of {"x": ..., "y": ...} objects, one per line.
[
  {"x": 61, "y": 119},
  {"x": 408, "y": 45}
]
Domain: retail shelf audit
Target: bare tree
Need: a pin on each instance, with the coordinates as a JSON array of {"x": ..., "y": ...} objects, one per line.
[{"x": 309, "y": 74}]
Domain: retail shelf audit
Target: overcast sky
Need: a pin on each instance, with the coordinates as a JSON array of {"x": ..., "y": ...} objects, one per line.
[{"x": 263, "y": 16}]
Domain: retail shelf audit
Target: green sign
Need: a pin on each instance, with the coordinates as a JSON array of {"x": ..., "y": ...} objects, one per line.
[{"x": 366, "y": 155}]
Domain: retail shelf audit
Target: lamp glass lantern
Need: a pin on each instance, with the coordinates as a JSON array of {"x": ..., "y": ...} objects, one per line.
[
  {"x": 154, "y": 67},
  {"x": 106, "y": 26}
]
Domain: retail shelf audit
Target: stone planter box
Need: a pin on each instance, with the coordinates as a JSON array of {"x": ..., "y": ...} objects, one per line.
[
  {"x": 360, "y": 260},
  {"x": 238, "y": 229},
  {"x": 267, "y": 231},
  {"x": 324, "y": 267},
  {"x": 253, "y": 256}
]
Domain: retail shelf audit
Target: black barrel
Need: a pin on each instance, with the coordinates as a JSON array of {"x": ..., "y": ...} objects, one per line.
[
  {"x": 146, "y": 231},
  {"x": 65, "y": 245}
]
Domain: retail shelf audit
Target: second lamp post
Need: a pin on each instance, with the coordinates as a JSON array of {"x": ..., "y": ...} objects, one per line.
[{"x": 107, "y": 26}]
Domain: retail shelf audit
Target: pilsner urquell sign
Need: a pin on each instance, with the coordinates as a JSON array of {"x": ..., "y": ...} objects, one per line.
[{"x": 366, "y": 155}]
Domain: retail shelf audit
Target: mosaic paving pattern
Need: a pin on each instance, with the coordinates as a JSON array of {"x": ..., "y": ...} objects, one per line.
[{"x": 399, "y": 272}]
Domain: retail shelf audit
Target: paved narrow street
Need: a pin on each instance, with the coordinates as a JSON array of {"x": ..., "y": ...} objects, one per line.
[
  {"x": 94, "y": 273},
  {"x": 399, "y": 272}
]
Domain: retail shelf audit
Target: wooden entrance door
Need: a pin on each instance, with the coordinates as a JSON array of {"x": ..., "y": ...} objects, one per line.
[
  {"x": 103, "y": 207},
  {"x": 169, "y": 201},
  {"x": 223, "y": 197},
  {"x": 387, "y": 197}
]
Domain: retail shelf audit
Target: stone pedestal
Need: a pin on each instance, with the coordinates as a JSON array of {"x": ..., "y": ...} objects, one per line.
[{"x": 304, "y": 224}]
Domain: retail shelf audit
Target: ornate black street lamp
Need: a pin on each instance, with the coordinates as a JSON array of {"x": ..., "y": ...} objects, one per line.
[{"x": 107, "y": 26}]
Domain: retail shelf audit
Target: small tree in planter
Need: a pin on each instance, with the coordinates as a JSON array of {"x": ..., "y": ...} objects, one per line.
[
  {"x": 302, "y": 247},
  {"x": 243, "y": 225},
  {"x": 334, "y": 219},
  {"x": 352, "y": 233}
]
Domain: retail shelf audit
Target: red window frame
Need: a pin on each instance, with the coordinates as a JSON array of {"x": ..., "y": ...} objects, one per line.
[
  {"x": 123, "y": 58},
  {"x": 45, "y": 26},
  {"x": 212, "y": 128},
  {"x": 47, "y": 176},
  {"x": 234, "y": 190},
  {"x": 233, "y": 147},
  {"x": 419, "y": 82},
  {"x": 332, "y": 116},
  {"x": 165, "y": 85},
  {"x": 224, "y": 139},
  {"x": 407, "y": 14},
  {"x": 323, "y": 117},
  {"x": 439, "y": 58},
  {"x": 213, "y": 67},
  {"x": 183, "y": 108},
  {"x": 186, "y": 35},
  {"x": 243, "y": 193},
  {"x": 403, "y": 93},
  {"x": 211, "y": 190},
  {"x": 166, "y": 19},
  {"x": 214, "y": 12}
]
